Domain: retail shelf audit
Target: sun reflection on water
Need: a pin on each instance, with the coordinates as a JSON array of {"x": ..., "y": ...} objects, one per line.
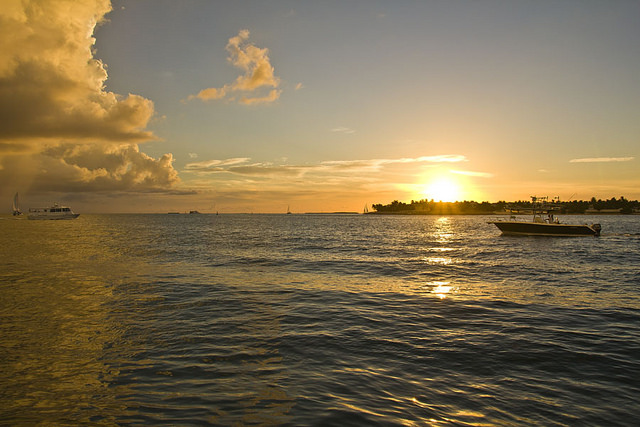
[
  {"x": 438, "y": 260},
  {"x": 443, "y": 230},
  {"x": 442, "y": 289}
]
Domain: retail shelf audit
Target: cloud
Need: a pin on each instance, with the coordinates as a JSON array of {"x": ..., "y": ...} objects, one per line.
[
  {"x": 446, "y": 158},
  {"x": 210, "y": 93},
  {"x": 262, "y": 169},
  {"x": 242, "y": 182},
  {"x": 106, "y": 168},
  {"x": 242, "y": 166},
  {"x": 272, "y": 96},
  {"x": 51, "y": 86},
  {"x": 472, "y": 173},
  {"x": 342, "y": 129},
  {"x": 258, "y": 75},
  {"x": 214, "y": 165},
  {"x": 92, "y": 168},
  {"x": 57, "y": 121},
  {"x": 602, "y": 160}
]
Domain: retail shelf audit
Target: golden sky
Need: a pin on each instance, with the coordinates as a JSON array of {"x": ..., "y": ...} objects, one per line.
[{"x": 251, "y": 106}]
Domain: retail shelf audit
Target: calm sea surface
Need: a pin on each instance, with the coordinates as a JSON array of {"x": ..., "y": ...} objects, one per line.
[{"x": 316, "y": 320}]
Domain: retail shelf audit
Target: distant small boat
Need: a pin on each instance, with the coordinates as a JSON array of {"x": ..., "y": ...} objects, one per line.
[
  {"x": 194, "y": 212},
  {"x": 16, "y": 206},
  {"x": 544, "y": 223},
  {"x": 54, "y": 212},
  {"x": 288, "y": 210}
]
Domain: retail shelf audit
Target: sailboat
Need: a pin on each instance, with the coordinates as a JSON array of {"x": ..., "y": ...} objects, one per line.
[{"x": 16, "y": 206}]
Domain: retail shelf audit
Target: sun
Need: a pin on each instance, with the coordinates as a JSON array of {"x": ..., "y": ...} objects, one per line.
[{"x": 443, "y": 190}]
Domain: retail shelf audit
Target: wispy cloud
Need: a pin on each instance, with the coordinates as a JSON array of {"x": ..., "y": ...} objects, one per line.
[
  {"x": 258, "y": 74},
  {"x": 472, "y": 173},
  {"x": 376, "y": 163},
  {"x": 244, "y": 166},
  {"x": 319, "y": 184},
  {"x": 215, "y": 165},
  {"x": 343, "y": 129},
  {"x": 446, "y": 158},
  {"x": 602, "y": 159}
]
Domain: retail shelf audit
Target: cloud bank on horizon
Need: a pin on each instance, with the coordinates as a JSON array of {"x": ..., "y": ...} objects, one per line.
[{"x": 60, "y": 130}]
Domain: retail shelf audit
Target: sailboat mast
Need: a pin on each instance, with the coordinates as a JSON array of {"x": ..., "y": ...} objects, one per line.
[{"x": 16, "y": 205}]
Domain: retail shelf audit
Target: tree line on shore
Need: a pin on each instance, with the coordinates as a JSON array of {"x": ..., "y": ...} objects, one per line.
[{"x": 426, "y": 207}]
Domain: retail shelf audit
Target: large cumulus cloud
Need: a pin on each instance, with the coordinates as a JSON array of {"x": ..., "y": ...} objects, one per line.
[
  {"x": 105, "y": 168},
  {"x": 55, "y": 113}
]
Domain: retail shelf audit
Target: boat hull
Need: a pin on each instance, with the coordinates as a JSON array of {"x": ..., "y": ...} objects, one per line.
[
  {"x": 545, "y": 229},
  {"x": 53, "y": 216},
  {"x": 55, "y": 212}
]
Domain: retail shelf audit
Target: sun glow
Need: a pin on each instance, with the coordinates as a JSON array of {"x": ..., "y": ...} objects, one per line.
[{"x": 443, "y": 190}]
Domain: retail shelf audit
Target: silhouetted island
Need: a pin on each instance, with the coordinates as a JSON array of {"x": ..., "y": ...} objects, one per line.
[{"x": 431, "y": 207}]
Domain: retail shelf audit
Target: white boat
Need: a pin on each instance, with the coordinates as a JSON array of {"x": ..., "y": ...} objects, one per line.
[
  {"x": 16, "y": 206},
  {"x": 54, "y": 212},
  {"x": 544, "y": 223}
]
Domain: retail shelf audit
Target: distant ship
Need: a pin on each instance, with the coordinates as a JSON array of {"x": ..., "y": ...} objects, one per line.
[
  {"x": 54, "y": 212},
  {"x": 193, "y": 212},
  {"x": 16, "y": 206},
  {"x": 544, "y": 223}
]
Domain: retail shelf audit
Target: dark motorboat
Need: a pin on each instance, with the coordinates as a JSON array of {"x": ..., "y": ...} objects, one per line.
[{"x": 544, "y": 223}]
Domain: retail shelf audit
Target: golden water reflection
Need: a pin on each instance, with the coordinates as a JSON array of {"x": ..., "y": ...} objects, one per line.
[
  {"x": 438, "y": 260},
  {"x": 443, "y": 232},
  {"x": 442, "y": 289},
  {"x": 81, "y": 322}
]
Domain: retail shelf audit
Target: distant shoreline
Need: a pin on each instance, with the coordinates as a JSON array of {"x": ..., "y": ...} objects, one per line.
[
  {"x": 493, "y": 213},
  {"x": 613, "y": 206}
]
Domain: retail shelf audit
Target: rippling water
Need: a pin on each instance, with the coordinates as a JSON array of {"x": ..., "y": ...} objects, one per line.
[{"x": 316, "y": 320}]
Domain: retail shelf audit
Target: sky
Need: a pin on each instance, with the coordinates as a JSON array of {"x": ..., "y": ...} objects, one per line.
[{"x": 254, "y": 106}]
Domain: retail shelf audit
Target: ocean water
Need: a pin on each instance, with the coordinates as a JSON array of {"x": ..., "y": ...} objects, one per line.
[{"x": 316, "y": 320}]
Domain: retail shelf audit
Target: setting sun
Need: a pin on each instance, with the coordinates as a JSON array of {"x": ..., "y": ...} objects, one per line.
[{"x": 443, "y": 189}]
